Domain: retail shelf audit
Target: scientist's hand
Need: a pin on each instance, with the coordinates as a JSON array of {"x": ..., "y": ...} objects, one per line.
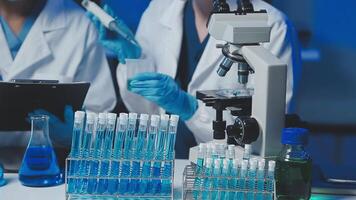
[
  {"x": 113, "y": 41},
  {"x": 60, "y": 132},
  {"x": 164, "y": 91}
]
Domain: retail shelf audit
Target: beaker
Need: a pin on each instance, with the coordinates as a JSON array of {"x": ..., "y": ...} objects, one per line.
[
  {"x": 39, "y": 166},
  {"x": 2, "y": 180}
]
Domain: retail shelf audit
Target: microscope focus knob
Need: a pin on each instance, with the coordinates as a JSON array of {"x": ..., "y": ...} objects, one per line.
[{"x": 245, "y": 130}]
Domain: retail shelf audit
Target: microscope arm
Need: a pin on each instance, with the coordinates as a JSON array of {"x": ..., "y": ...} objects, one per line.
[{"x": 269, "y": 98}]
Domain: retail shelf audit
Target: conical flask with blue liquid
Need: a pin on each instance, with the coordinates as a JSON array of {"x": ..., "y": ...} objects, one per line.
[{"x": 39, "y": 166}]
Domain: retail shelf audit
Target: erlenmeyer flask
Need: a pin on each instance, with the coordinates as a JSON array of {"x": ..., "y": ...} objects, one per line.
[{"x": 39, "y": 166}]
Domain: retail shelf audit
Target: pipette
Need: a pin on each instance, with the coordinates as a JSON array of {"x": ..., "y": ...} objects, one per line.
[{"x": 108, "y": 21}]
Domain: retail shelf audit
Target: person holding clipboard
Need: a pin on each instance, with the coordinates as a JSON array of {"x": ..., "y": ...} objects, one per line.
[{"x": 52, "y": 40}]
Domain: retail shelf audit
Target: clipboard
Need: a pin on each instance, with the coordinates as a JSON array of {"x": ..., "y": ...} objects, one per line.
[{"x": 20, "y": 97}]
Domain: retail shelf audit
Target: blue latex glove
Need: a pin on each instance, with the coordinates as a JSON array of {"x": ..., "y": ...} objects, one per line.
[
  {"x": 164, "y": 91},
  {"x": 60, "y": 132},
  {"x": 113, "y": 41}
]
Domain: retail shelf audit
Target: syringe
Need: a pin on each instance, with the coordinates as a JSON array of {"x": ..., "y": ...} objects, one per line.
[{"x": 108, "y": 21}]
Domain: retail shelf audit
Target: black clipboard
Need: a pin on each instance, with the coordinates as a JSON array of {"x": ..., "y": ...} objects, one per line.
[{"x": 20, "y": 97}]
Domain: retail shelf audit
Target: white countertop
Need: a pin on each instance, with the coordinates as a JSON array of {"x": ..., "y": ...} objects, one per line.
[{"x": 15, "y": 191}]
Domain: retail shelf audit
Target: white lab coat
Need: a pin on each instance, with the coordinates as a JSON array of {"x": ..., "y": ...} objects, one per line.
[
  {"x": 61, "y": 45},
  {"x": 160, "y": 35}
]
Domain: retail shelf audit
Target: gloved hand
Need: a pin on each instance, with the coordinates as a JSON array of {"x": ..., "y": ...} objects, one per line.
[
  {"x": 60, "y": 132},
  {"x": 113, "y": 41},
  {"x": 164, "y": 91}
]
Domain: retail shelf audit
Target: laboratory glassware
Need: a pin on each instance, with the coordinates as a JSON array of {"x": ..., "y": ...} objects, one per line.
[{"x": 39, "y": 166}]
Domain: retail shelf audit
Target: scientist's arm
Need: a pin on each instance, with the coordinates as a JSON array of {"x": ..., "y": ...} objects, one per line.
[
  {"x": 113, "y": 41},
  {"x": 284, "y": 44}
]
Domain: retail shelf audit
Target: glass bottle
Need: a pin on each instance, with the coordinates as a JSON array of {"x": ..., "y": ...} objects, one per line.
[
  {"x": 2, "y": 180},
  {"x": 39, "y": 166},
  {"x": 293, "y": 166}
]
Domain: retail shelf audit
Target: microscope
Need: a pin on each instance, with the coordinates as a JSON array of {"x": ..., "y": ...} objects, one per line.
[{"x": 259, "y": 113}]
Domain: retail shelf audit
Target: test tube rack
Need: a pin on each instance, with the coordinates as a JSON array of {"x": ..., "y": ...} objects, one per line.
[
  {"x": 193, "y": 191},
  {"x": 75, "y": 181}
]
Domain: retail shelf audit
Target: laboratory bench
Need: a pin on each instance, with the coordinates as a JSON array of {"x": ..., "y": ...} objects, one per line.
[{"x": 15, "y": 191}]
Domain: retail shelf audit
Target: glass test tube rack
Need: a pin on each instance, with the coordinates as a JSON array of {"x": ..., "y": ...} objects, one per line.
[
  {"x": 157, "y": 183},
  {"x": 192, "y": 190}
]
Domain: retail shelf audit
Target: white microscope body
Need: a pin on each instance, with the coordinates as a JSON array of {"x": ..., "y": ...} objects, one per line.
[{"x": 243, "y": 34}]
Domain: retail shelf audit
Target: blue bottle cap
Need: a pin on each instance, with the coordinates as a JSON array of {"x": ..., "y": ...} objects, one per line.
[{"x": 295, "y": 136}]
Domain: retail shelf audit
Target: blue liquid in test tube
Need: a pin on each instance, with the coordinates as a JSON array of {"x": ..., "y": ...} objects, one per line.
[
  {"x": 169, "y": 154},
  {"x": 96, "y": 152},
  {"x": 75, "y": 148},
  {"x": 233, "y": 180},
  {"x": 160, "y": 142},
  {"x": 106, "y": 153},
  {"x": 82, "y": 184},
  {"x": 260, "y": 179},
  {"x": 215, "y": 185},
  {"x": 270, "y": 179},
  {"x": 118, "y": 153},
  {"x": 225, "y": 173},
  {"x": 138, "y": 146},
  {"x": 128, "y": 147},
  {"x": 150, "y": 149},
  {"x": 206, "y": 182},
  {"x": 242, "y": 177},
  {"x": 251, "y": 179},
  {"x": 199, "y": 170}
]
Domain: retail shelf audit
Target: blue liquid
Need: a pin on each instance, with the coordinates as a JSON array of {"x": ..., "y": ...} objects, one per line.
[
  {"x": 124, "y": 183},
  {"x": 94, "y": 165},
  {"x": 114, "y": 173},
  {"x": 39, "y": 167},
  {"x": 197, "y": 181},
  {"x": 82, "y": 184},
  {"x": 2, "y": 180},
  {"x": 105, "y": 163},
  {"x": 251, "y": 184},
  {"x": 167, "y": 173},
  {"x": 242, "y": 186},
  {"x": 260, "y": 184},
  {"x": 136, "y": 165},
  {"x": 233, "y": 183},
  {"x": 156, "y": 184},
  {"x": 270, "y": 185},
  {"x": 146, "y": 173},
  {"x": 206, "y": 184}
]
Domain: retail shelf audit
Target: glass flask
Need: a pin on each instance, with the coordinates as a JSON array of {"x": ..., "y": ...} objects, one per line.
[
  {"x": 39, "y": 166},
  {"x": 2, "y": 180}
]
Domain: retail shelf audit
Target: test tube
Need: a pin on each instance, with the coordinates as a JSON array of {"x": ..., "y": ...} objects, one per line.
[
  {"x": 169, "y": 154},
  {"x": 121, "y": 127},
  {"x": 96, "y": 152},
  {"x": 270, "y": 179},
  {"x": 139, "y": 142},
  {"x": 149, "y": 149},
  {"x": 215, "y": 182},
  {"x": 75, "y": 148},
  {"x": 160, "y": 142},
  {"x": 247, "y": 152},
  {"x": 224, "y": 183},
  {"x": 251, "y": 178},
  {"x": 77, "y": 133},
  {"x": 199, "y": 169},
  {"x": 106, "y": 153},
  {"x": 233, "y": 179},
  {"x": 126, "y": 165},
  {"x": 206, "y": 183},
  {"x": 88, "y": 133},
  {"x": 260, "y": 179},
  {"x": 243, "y": 175}
]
